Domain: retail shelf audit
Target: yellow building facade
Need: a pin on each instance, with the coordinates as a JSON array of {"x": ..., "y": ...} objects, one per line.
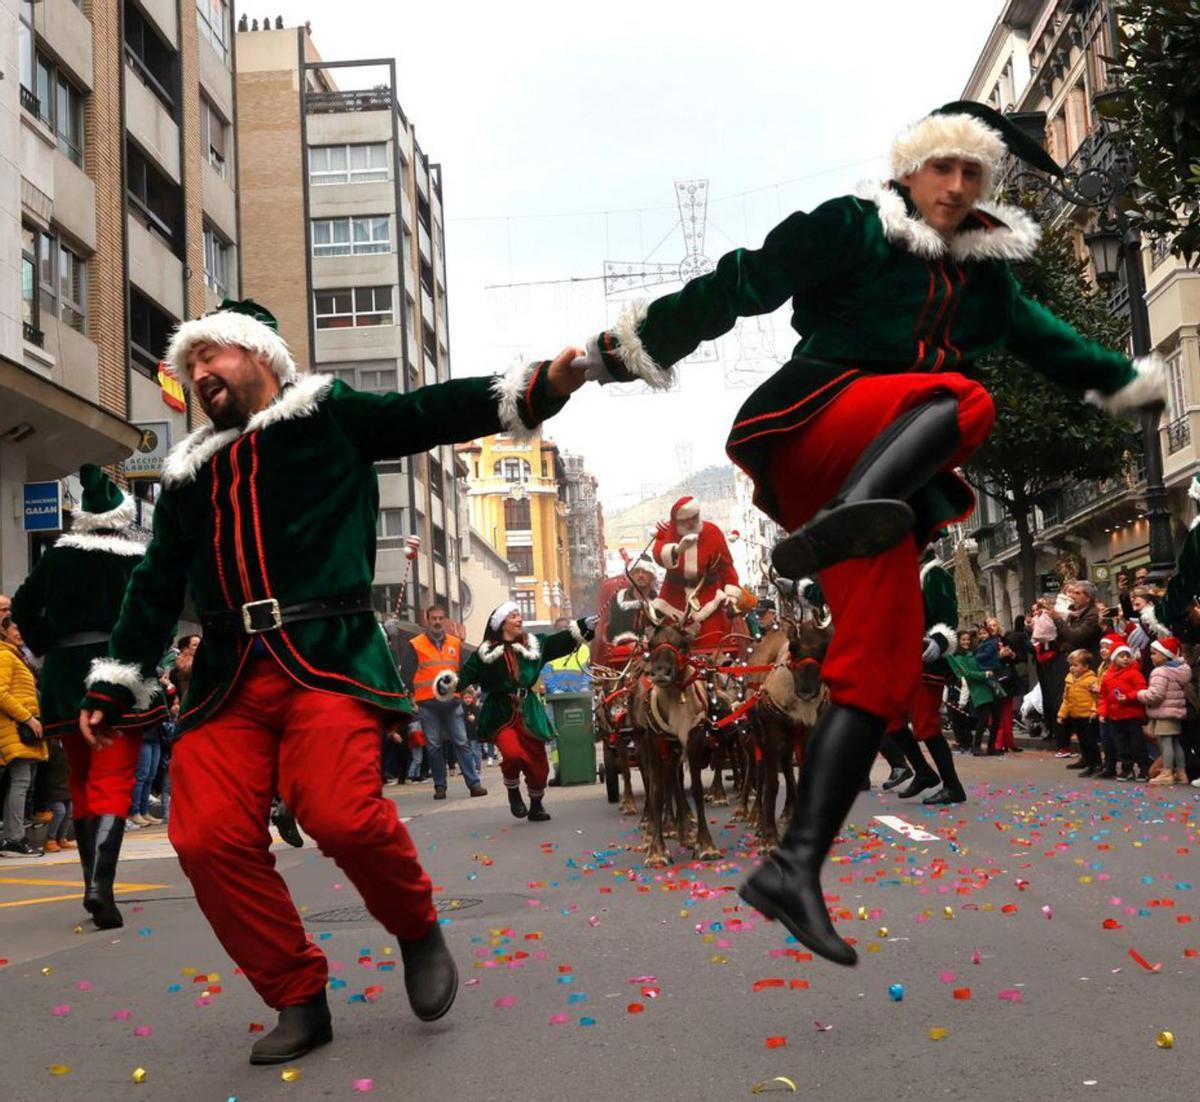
[{"x": 516, "y": 500}]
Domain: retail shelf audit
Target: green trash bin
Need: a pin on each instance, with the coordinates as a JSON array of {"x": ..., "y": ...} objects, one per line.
[{"x": 575, "y": 754}]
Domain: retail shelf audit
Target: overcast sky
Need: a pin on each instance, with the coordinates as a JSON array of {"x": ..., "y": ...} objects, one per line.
[{"x": 562, "y": 128}]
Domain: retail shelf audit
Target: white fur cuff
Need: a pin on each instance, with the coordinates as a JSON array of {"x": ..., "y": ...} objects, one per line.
[
  {"x": 945, "y": 631},
  {"x": 576, "y": 634},
  {"x": 125, "y": 674},
  {"x": 632, "y": 353},
  {"x": 509, "y": 391},
  {"x": 445, "y": 685},
  {"x": 1147, "y": 387}
]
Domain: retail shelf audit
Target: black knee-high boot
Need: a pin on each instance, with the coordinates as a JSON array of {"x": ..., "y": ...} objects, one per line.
[
  {"x": 894, "y": 756},
  {"x": 923, "y": 775},
  {"x": 98, "y": 898},
  {"x": 788, "y": 887},
  {"x": 85, "y": 839},
  {"x": 943, "y": 758},
  {"x": 871, "y": 512}
]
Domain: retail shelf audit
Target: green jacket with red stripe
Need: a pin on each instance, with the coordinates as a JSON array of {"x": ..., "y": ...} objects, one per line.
[
  {"x": 874, "y": 290},
  {"x": 285, "y": 508}
]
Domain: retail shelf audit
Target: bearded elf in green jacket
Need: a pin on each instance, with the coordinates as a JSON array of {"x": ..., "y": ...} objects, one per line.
[
  {"x": 852, "y": 445},
  {"x": 268, "y": 518}
]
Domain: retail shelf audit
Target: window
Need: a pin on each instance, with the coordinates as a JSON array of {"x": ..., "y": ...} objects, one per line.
[
  {"x": 151, "y": 57},
  {"x": 149, "y": 333},
  {"x": 212, "y": 18},
  {"x": 521, "y": 558},
  {"x": 512, "y": 469},
  {"x": 435, "y": 473},
  {"x": 47, "y": 284},
  {"x": 156, "y": 197},
  {"x": 439, "y": 544},
  {"x": 1176, "y": 403},
  {"x": 25, "y": 49},
  {"x": 525, "y": 601},
  {"x": 29, "y": 264},
  {"x": 353, "y": 307},
  {"x": 371, "y": 377},
  {"x": 517, "y": 515},
  {"x": 216, "y": 261},
  {"x": 213, "y": 133},
  {"x": 351, "y": 236},
  {"x": 390, "y": 524},
  {"x": 72, "y": 289},
  {"x": 53, "y": 281},
  {"x": 60, "y": 107},
  {"x": 347, "y": 164}
]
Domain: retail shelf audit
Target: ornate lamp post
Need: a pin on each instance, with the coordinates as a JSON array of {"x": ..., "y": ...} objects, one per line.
[{"x": 1104, "y": 171}]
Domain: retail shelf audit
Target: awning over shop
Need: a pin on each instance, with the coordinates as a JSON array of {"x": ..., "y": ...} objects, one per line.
[{"x": 56, "y": 428}]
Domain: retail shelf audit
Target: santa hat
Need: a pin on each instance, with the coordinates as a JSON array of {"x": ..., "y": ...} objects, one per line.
[
  {"x": 643, "y": 562},
  {"x": 500, "y": 614},
  {"x": 972, "y": 131},
  {"x": 1168, "y": 645},
  {"x": 1113, "y": 640},
  {"x": 244, "y": 324},
  {"x": 102, "y": 506},
  {"x": 685, "y": 508},
  {"x": 1123, "y": 648}
]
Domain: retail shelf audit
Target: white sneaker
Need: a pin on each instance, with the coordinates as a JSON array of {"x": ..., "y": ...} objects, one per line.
[
  {"x": 132, "y": 824},
  {"x": 1196, "y": 783}
]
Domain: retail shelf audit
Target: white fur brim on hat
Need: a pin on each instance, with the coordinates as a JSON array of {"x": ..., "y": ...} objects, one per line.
[
  {"x": 688, "y": 511},
  {"x": 1158, "y": 646},
  {"x": 1118, "y": 650},
  {"x": 502, "y": 613},
  {"x": 225, "y": 327},
  {"x": 948, "y": 136}
]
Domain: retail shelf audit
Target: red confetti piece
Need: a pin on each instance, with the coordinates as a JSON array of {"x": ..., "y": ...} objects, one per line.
[
  {"x": 257, "y": 1027},
  {"x": 799, "y": 985},
  {"x": 1009, "y": 908},
  {"x": 1112, "y": 924},
  {"x": 635, "y": 1008},
  {"x": 776, "y": 1042},
  {"x": 962, "y": 993},
  {"x": 1144, "y": 962},
  {"x": 1191, "y": 952},
  {"x": 763, "y": 985}
]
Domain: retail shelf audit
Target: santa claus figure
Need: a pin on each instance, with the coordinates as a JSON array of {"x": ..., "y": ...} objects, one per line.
[{"x": 701, "y": 582}]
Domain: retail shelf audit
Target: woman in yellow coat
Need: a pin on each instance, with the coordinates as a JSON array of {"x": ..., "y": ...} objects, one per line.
[{"x": 18, "y": 706}]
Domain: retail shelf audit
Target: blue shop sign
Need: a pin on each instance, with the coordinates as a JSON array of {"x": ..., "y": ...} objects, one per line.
[{"x": 43, "y": 506}]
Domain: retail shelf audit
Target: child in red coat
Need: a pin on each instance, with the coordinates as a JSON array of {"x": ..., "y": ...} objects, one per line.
[{"x": 1125, "y": 713}]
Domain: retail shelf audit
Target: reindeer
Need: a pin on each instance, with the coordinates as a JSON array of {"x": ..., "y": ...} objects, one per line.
[{"x": 611, "y": 708}]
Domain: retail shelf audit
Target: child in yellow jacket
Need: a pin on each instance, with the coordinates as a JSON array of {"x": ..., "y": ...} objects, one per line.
[{"x": 1078, "y": 712}]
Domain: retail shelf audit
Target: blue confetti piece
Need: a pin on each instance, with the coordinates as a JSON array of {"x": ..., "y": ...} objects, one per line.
[
  {"x": 1183, "y": 886},
  {"x": 175, "y": 987},
  {"x": 337, "y": 984},
  {"x": 324, "y": 937},
  {"x": 358, "y": 998},
  {"x": 1143, "y": 912},
  {"x": 145, "y": 931},
  {"x": 587, "y": 1021},
  {"x": 566, "y": 979},
  {"x": 365, "y": 951},
  {"x": 1147, "y": 879},
  {"x": 576, "y": 997}
]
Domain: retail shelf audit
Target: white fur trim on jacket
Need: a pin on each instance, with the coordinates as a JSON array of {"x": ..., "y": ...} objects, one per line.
[
  {"x": 120, "y": 517},
  {"x": 115, "y": 545},
  {"x": 225, "y": 327},
  {"x": 628, "y": 605},
  {"x": 1016, "y": 239},
  {"x": 1147, "y": 387},
  {"x": 1153, "y": 626},
  {"x": 944, "y": 632},
  {"x": 448, "y": 678},
  {"x": 108, "y": 671},
  {"x": 669, "y": 555},
  {"x": 626, "y": 637},
  {"x": 632, "y": 353},
  {"x": 509, "y": 391},
  {"x": 576, "y": 634},
  {"x": 959, "y": 135},
  {"x": 301, "y": 398},
  {"x": 491, "y": 652}
]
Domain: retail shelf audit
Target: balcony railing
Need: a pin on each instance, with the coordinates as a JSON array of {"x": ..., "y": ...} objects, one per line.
[
  {"x": 33, "y": 334},
  {"x": 372, "y": 99},
  {"x": 1179, "y": 434},
  {"x": 30, "y": 102}
]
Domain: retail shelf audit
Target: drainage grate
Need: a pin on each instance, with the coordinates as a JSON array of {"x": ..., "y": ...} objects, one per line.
[{"x": 361, "y": 914}]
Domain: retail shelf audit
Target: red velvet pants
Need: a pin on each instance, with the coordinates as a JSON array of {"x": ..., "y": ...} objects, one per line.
[
  {"x": 1004, "y": 731},
  {"x": 874, "y": 659},
  {"x": 322, "y": 752},
  {"x": 522, "y": 753},
  {"x": 102, "y": 780},
  {"x": 926, "y": 710}
]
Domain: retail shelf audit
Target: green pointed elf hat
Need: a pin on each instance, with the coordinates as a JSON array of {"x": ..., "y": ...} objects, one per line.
[
  {"x": 243, "y": 323},
  {"x": 103, "y": 505},
  {"x": 973, "y": 131}
]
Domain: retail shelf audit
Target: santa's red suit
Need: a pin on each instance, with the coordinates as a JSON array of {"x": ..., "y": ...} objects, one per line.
[{"x": 688, "y": 560}]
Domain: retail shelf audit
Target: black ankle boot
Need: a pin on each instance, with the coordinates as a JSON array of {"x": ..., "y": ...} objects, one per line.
[
  {"x": 430, "y": 975},
  {"x": 950, "y": 794},
  {"x": 898, "y": 775},
  {"x": 922, "y": 780},
  {"x": 871, "y": 514},
  {"x": 537, "y": 813},
  {"x": 285, "y": 822},
  {"x": 98, "y": 897},
  {"x": 301, "y": 1029},
  {"x": 517, "y": 805},
  {"x": 788, "y": 887}
]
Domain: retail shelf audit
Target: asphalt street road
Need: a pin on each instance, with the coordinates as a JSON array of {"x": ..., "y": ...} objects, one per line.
[{"x": 587, "y": 977}]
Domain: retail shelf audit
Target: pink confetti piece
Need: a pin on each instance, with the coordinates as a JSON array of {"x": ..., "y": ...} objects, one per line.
[
  {"x": 948, "y": 977},
  {"x": 593, "y": 921},
  {"x": 1010, "y": 994},
  {"x": 143, "y": 1031},
  {"x": 504, "y": 1002},
  {"x": 471, "y": 983},
  {"x": 643, "y": 979},
  {"x": 559, "y": 1019},
  {"x": 61, "y": 1011},
  {"x": 976, "y": 957},
  {"x": 122, "y": 1015},
  {"x": 364, "y": 1085},
  {"x": 1047, "y": 911},
  {"x": 84, "y": 985}
]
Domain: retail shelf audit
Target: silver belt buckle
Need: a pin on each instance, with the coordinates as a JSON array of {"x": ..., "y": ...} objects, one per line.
[
  {"x": 260, "y": 616},
  {"x": 521, "y": 694}
]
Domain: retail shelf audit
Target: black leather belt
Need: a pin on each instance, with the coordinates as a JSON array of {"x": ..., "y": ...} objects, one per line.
[
  {"x": 82, "y": 639},
  {"x": 255, "y": 617}
]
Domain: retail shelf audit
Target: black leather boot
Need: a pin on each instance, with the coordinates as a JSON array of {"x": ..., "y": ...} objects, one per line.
[
  {"x": 871, "y": 512},
  {"x": 285, "y": 822},
  {"x": 787, "y": 887},
  {"x": 430, "y": 975},
  {"x": 943, "y": 758},
  {"x": 537, "y": 813},
  {"x": 98, "y": 897},
  {"x": 516, "y": 804},
  {"x": 301, "y": 1029},
  {"x": 85, "y": 840},
  {"x": 898, "y": 775},
  {"x": 894, "y": 755}
]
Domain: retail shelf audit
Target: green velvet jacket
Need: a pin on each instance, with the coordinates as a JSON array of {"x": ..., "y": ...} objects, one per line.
[
  {"x": 940, "y": 597},
  {"x": 286, "y": 509},
  {"x": 1183, "y": 590},
  {"x": 77, "y": 586},
  {"x": 501, "y": 670},
  {"x": 874, "y": 290}
]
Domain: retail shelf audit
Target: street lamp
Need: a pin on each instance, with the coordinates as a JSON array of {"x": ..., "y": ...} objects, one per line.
[{"x": 1105, "y": 172}]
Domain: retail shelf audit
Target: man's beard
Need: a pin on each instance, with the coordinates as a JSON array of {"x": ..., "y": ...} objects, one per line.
[{"x": 233, "y": 412}]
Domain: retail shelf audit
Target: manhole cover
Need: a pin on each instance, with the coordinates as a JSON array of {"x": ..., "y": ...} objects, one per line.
[{"x": 361, "y": 914}]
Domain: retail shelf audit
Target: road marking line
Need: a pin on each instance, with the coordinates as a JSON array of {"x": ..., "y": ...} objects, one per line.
[
  {"x": 75, "y": 895},
  {"x": 119, "y": 886},
  {"x": 900, "y": 826}
]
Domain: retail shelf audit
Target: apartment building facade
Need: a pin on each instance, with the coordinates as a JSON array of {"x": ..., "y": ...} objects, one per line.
[
  {"x": 347, "y": 250},
  {"x": 118, "y": 196},
  {"x": 585, "y": 532}
]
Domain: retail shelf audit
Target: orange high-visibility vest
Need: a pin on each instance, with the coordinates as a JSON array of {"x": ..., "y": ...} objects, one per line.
[{"x": 431, "y": 662}]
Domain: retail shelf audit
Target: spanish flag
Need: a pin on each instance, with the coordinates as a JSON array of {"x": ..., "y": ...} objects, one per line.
[{"x": 172, "y": 390}]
